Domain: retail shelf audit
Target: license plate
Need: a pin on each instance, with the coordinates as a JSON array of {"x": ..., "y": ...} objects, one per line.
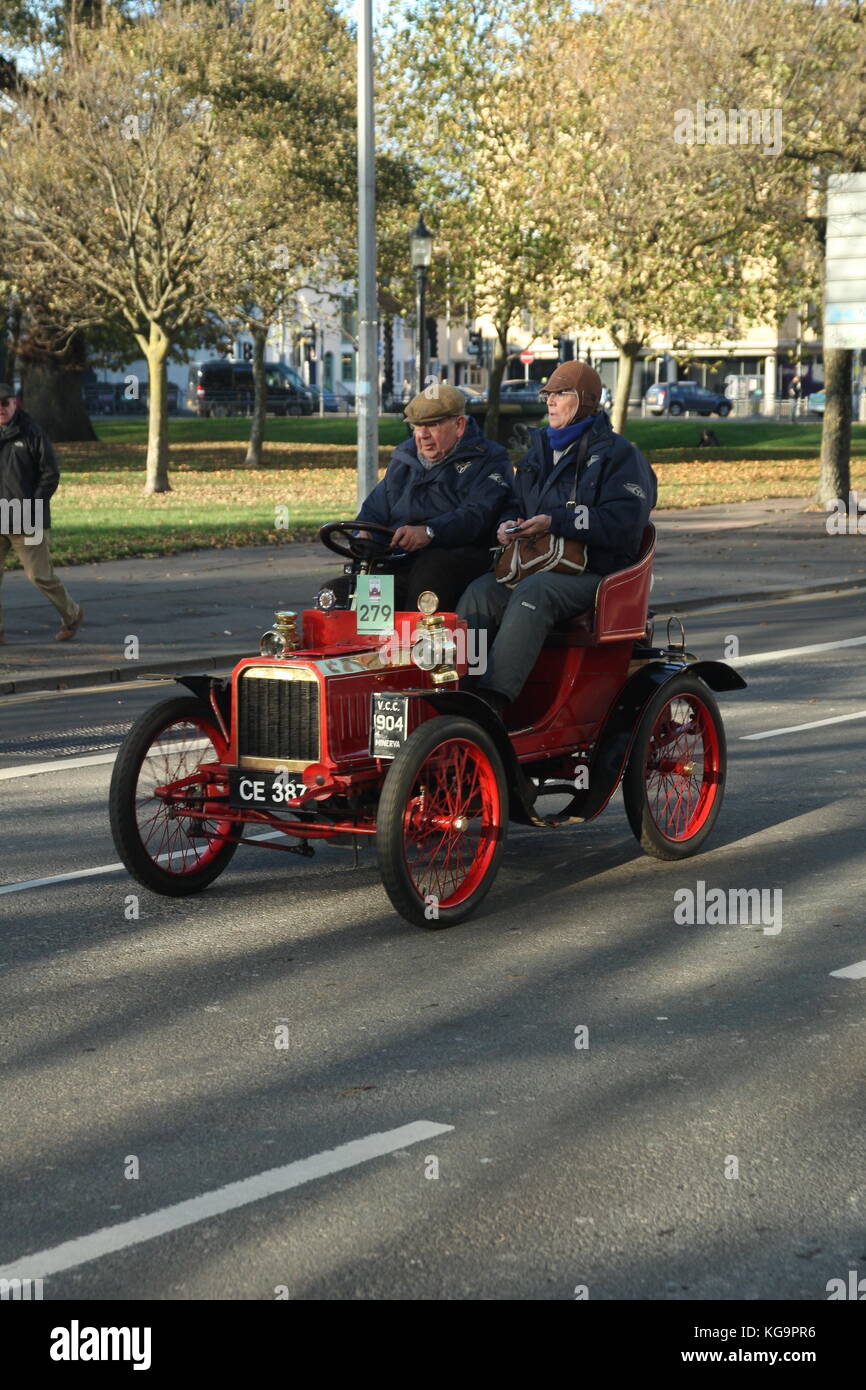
[
  {"x": 389, "y": 724},
  {"x": 272, "y": 790}
]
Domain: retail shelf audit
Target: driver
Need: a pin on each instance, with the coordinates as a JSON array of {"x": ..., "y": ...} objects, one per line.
[{"x": 443, "y": 494}]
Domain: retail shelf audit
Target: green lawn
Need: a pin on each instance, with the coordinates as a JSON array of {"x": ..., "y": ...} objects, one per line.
[{"x": 308, "y": 477}]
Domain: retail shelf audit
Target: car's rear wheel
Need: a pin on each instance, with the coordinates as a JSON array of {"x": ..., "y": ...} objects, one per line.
[
  {"x": 166, "y": 850},
  {"x": 442, "y": 821},
  {"x": 675, "y": 408},
  {"x": 675, "y": 779},
  {"x": 723, "y": 411}
]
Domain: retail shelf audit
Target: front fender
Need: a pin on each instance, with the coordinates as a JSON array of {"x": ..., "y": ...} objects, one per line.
[{"x": 215, "y": 691}]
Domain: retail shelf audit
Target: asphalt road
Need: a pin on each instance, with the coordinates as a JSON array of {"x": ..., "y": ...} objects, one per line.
[{"x": 707, "y": 1143}]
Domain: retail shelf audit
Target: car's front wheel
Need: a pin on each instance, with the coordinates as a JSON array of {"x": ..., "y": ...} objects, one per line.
[
  {"x": 675, "y": 779},
  {"x": 442, "y": 821},
  {"x": 675, "y": 408},
  {"x": 724, "y": 410},
  {"x": 160, "y": 829}
]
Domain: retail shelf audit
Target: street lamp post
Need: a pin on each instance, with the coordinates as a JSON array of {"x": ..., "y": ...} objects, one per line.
[{"x": 421, "y": 246}]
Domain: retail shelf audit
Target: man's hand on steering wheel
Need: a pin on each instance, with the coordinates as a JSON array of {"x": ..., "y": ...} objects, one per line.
[{"x": 410, "y": 538}]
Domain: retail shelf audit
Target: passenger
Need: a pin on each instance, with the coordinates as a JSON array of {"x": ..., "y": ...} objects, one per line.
[
  {"x": 443, "y": 494},
  {"x": 616, "y": 491}
]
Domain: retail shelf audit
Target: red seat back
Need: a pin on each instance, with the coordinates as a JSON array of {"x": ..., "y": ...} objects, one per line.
[{"x": 621, "y": 603}]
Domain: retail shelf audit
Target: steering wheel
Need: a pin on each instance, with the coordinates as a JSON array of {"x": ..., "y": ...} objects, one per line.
[{"x": 359, "y": 547}]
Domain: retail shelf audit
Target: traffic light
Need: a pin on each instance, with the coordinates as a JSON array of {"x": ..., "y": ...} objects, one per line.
[
  {"x": 564, "y": 347},
  {"x": 474, "y": 343}
]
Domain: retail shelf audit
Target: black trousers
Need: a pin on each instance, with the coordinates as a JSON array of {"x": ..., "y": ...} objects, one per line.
[{"x": 446, "y": 572}]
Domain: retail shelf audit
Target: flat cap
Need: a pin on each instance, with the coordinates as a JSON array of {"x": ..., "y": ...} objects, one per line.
[
  {"x": 438, "y": 401},
  {"x": 6, "y": 389},
  {"x": 579, "y": 377}
]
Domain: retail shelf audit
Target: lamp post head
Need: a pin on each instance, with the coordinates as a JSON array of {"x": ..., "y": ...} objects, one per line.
[{"x": 421, "y": 245}]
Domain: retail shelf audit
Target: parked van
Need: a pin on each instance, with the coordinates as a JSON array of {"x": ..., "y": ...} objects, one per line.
[{"x": 222, "y": 388}]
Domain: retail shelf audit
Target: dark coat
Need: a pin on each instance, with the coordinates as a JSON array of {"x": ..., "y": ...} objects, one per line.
[
  {"x": 460, "y": 499},
  {"x": 28, "y": 464},
  {"x": 616, "y": 485}
]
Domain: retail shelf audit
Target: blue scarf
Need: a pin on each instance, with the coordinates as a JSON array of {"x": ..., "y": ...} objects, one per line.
[{"x": 564, "y": 438}]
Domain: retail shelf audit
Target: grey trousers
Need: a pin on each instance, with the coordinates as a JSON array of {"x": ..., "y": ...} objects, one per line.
[
  {"x": 36, "y": 564},
  {"x": 512, "y": 623}
]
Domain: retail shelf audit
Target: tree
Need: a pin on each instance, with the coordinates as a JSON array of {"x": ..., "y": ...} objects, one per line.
[
  {"x": 112, "y": 183},
  {"x": 289, "y": 196},
  {"x": 673, "y": 235},
  {"x": 473, "y": 88}
]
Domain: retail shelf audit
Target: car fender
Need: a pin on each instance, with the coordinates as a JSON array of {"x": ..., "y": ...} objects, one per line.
[
  {"x": 215, "y": 691},
  {"x": 614, "y": 744}
]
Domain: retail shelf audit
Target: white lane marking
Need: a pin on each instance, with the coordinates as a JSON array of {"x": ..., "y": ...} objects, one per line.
[
  {"x": 25, "y": 885},
  {"x": 759, "y": 658},
  {"x": 221, "y": 1199},
  {"x": 815, "y": 724},
  {"x": 90, "y": 760},
  {"x": 857, "y": 971}
]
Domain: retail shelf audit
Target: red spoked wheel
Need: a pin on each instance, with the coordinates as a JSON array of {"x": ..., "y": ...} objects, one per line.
[
  {"x": 442, "y": 822},
  {"x": 166, "y": 850},
  {"x": 675, "y": 779}
]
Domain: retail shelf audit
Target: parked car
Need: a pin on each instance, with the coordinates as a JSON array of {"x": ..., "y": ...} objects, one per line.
[
  {"x": 331, "y": 402},
  {"x": 519, "y": 391},
  {"x": 99, "y": 398},
  {"x": 222, "y": 387},
  {"x": 676, "y": 397},
  {"x": 331, "y": 732},
  {"x": 137, "y": 405}
]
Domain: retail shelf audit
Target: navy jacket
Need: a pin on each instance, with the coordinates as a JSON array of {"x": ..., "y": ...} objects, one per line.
[
  {"x": 616, "y": 485},
  {"x": 460, "y": 499},
  {"x": 28, "y": 464}
]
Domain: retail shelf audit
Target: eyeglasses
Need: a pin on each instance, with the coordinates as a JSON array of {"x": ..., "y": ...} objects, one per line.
[
  {"x": 7, "y": 400},
  {"x": 545, "y": 396}
]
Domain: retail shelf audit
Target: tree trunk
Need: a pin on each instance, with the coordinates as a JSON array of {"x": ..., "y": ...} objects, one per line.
[
  {"x": 500, "y": 361},
  {"x": 51, "y": 391},
  {"x": 835, "y": 479},
  {"x": 156, "y": 352},
  {"x": 260, "y": 398},
  {"x": 625, "y": 372}
]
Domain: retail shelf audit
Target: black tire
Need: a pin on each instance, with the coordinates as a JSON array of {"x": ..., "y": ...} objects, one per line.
[
  {"x": 145, "y": 835},
  {"x": 681, "y": 724},
  {"x": 433, "y": 761},
  {"x": 675, "y": 408},
  {"x": 723, "y": 411}
]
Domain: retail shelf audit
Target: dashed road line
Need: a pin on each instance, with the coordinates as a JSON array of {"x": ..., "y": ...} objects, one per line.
[
  {"x": 785, "y": 653},
  {"x": 110, "y": 1239},
  {"x": 813, "y": 724},
  {"x": 857, "y": 971}
]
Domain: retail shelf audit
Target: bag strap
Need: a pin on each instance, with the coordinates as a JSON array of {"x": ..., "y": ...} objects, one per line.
[{"x": 583, "y": 449}]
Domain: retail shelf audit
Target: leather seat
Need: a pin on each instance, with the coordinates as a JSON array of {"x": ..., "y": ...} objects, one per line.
[{"x": 621, "y": 604}]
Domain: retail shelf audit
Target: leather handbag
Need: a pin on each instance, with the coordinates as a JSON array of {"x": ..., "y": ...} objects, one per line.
[{"x": 536, "y": 554}]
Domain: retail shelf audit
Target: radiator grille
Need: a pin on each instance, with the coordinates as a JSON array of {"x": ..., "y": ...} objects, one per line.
[{"x": 278, "y": 719}]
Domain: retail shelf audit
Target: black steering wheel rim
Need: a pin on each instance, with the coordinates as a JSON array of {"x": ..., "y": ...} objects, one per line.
[{"x": 358, "y": 547}]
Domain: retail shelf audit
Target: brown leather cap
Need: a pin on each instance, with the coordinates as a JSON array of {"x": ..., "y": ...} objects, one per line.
[
  {"x": 580, "y": 377},
  {"x": 438, "y": 401}
]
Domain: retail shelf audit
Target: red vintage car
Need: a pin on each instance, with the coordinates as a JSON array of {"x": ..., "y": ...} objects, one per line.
[{"x": 330, "y": 733}]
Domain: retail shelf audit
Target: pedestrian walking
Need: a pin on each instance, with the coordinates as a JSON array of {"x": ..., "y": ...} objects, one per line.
[{"x": 28, "y": 479}]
